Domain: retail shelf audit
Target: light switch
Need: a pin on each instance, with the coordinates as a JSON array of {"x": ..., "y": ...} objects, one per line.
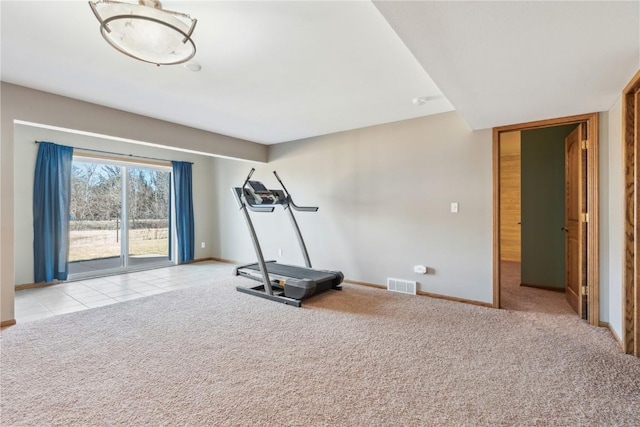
[{"x": 454, "y": 207}]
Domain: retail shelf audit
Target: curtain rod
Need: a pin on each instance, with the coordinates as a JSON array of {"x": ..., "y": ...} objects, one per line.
[{"x": 120, "y": 154}]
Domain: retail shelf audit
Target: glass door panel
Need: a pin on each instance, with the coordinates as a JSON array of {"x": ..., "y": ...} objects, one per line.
[
  {"x": 95, "y": 225},
  {"x": 148, "y": 215}
]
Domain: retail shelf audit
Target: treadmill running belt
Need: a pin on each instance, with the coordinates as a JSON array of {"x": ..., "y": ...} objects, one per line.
[{"x": 294, "y": 272}]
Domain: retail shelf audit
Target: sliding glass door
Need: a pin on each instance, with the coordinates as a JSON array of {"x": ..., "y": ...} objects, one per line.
[{"x": 120, "y": 217}]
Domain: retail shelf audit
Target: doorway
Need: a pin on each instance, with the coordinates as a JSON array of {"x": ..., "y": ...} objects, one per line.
[{"x": 507, "y": 238}]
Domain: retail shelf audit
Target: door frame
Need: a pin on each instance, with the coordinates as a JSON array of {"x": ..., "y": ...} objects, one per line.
[
  {"x": 631, "y": 270},
  {"x": 591, "y": 122}
]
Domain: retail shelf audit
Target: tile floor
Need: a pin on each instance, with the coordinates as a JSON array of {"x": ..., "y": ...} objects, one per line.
[{"x": 39, "y": 303}]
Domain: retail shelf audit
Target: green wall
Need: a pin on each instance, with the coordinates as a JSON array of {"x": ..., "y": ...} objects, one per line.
[{"x": 543, "y": 201}]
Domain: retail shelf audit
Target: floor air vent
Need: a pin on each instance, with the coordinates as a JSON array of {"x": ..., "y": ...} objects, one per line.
[{"x": 402, "y": 286}]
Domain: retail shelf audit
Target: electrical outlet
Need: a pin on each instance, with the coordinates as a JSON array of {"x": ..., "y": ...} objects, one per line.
[
  {"x": 279, "y": 252},
  {"x": 202, "y": 245}
]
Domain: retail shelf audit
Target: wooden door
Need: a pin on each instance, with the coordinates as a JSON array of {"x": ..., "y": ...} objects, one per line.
[{"x": 575, "y": 221}]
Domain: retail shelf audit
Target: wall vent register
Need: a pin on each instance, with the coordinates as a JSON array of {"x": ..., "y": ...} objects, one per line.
[{"x": 402, "y": 286}]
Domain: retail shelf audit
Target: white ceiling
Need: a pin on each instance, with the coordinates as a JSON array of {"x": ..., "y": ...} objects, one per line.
[
  {"x": 271, "y": 71},
  {"x": 504, "y": 62},
  {"x": 275, "y": 71}
]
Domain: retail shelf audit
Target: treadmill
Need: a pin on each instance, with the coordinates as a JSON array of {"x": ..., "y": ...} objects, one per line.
[{"x": 288, "y": 284}]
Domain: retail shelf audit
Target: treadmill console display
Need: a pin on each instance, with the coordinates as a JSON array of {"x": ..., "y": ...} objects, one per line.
[
  {"x": 258, "y": 187},
  {"x": 260, "y": 194}
]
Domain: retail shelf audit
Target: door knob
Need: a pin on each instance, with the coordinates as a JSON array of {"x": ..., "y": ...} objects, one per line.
[{"x": 564, "y": 229}]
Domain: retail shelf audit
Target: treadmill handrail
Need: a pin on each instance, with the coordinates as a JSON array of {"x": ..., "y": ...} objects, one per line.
[
  {"x": 301, "y": 208},
  {"x": 290, "y": 199},
  {"x": 248, "y": 177},
  {"x": 294, "y": 223},
  {"x": 239, "y": 195},
  {"x": 260, "y": 209}
]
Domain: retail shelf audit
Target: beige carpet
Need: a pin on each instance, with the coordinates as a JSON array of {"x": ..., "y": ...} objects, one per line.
[
  {"x": 211, "y": 356},
  {"x": 513, "y": 296}
]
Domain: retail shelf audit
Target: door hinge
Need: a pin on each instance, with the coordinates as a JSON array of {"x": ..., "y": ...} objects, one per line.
[
  {"x": 585, "y": 290},
  {"x": 584, "y": 217},
  {"x": 585, "y": 144}
]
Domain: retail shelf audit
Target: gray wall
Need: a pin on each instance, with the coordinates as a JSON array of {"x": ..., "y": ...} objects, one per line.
[
  {"x": 384, "y": 194},
  {"x": 612, "y": 218},
  {"x": 22, "y": 104},
  {"x": 543, "y": 206}
]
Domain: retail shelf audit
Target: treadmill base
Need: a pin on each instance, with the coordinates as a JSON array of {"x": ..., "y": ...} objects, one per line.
[
  {"x": 289, "y": 284},
  {"x": 259, "y": 291}
]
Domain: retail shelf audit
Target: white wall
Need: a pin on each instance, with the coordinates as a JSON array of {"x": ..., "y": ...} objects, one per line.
[
  {"x": 384, "y": 194},
  {"x": 604, "y": 230},
  {"x": 25, "y": 152},
  {"x": 28, "y": 105},
  {"x": 615, "y": 222}
]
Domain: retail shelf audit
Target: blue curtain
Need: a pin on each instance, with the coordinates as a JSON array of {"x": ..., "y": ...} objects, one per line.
[
  {"x": 51, "y": 197},
  {"x": 184, "y": 210}
]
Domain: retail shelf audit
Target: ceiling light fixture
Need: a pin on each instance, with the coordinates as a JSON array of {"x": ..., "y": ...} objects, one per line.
[{"x": 145, "y": 31}]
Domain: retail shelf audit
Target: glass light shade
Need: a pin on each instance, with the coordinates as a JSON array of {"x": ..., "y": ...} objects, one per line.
[{"x": 146, "y": 33}]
